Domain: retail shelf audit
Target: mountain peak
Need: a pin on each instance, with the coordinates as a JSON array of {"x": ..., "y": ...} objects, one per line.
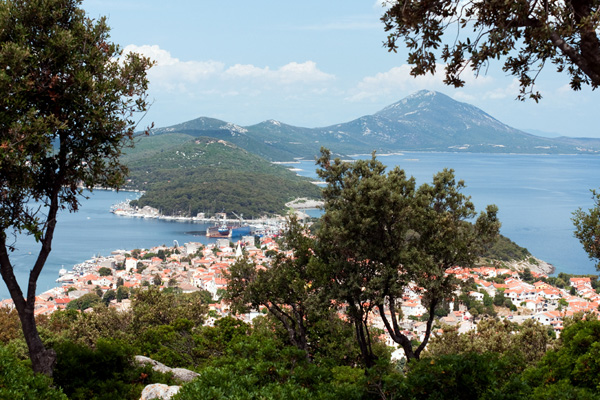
[{"x": 415, "y": 101}]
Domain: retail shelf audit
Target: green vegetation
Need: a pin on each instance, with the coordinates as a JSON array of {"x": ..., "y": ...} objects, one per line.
[
  {"x": 526, "y": 38},
  {"x": 587, "y": 228},
  {"x": 18, "y": 381},
  {"x": 95, "y": 352},
  {"x": 207, "y": 175},
  {"x": 380, "y": 232},
  {"x": 504, "y": 249},
  {"x": 68, "y": 101}
]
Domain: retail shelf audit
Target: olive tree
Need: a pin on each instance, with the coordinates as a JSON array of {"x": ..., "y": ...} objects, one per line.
[
  {"x": 68, "y": 106},
  {"x": 527, "y": 34}
]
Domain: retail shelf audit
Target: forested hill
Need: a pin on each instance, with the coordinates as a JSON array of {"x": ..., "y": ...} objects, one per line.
[
  {"x": 423, "y": 121},
  {"x": 182, "y": 175}
]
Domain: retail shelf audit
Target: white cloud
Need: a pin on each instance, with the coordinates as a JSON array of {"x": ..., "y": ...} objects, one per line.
[
  {"x": 174, "y": 75},
  {"x": 170, "y": 73},
  {"x": 293, "y": 72},
  {"x": 399, "y": 80},
  {"x": 302, "y": 72}
]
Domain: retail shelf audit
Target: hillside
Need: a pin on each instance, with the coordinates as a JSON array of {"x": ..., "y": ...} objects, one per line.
[
  {"x": 182, "y": 175},
  {"x": 423, "y": 121}
]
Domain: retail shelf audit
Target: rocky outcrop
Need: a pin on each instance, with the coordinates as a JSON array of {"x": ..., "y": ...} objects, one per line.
[
  {"x": 159, "y": 391},
  {"x": 534, "y": 265},
  {"x": 181, "y": 374}
]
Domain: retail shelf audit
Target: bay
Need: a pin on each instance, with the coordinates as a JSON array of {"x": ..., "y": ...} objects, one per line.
[
  {"x": 536, "y": 195},
  {"x": 94, "y": 230}
]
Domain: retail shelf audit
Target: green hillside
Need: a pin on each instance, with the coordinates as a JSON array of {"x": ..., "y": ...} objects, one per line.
[{"x": 182, "y": 175}]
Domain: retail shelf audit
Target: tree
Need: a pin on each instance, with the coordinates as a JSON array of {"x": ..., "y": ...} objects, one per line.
[
  {"x": 572, "y": 369},
  {"x": 286, "y": 288},
  {"x": 68, "y": 104},
  {"x": 122, "y": 293},
  {"x": 103, "y": 271},
  {"x": 523, "y": 344},
  {"x": 587, "y": 229},
  {"x": 380, "y": 235},
  {"x": 86, "y": 301},
  {"x": 108, "y": 296},
  {"x": 527, "y": 34}
]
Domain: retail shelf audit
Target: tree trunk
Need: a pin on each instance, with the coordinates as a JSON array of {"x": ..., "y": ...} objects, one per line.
[{"x": 42, "y": 359}]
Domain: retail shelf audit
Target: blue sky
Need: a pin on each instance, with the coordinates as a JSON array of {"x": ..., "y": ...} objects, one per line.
[{"x": 310, "y": 63}]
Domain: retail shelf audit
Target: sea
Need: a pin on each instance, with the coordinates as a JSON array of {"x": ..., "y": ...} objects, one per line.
[{"x": 536, "y": 196}]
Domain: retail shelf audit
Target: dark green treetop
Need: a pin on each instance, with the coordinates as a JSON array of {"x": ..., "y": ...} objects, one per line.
[{"x": 381, "y": 235}]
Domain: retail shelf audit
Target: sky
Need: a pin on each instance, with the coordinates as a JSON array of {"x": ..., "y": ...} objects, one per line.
[{"x": 312, "y": 63}]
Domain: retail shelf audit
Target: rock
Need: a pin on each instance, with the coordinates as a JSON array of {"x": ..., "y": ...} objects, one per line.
[
  {"x": 159, "y": 391},
  {"x": 181, "y": 374},
  {"x": 537, "y": 265},
  {"x": 184, "y": 375}
]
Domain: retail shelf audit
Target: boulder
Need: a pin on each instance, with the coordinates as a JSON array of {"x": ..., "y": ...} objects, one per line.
[
  {"x": 159, "y": 391},
  {"x": 181, "y": 374}
]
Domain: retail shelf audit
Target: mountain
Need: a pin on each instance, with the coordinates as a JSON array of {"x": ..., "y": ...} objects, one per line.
[
  {"x": 185, "y": 175},
  {"x": 423, "y": 121},
  {"x": 431, "y": 121}
]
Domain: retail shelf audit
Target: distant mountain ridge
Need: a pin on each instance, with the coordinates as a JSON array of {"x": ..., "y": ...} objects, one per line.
[{"x": 423, "y": 121}]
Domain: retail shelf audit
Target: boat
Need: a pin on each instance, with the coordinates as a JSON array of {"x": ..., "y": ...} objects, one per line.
[
  {"x": 218, "y": 231},
  {"x": 226, "y": 230}
]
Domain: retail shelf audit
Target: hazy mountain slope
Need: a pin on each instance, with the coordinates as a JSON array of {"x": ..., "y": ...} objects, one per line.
[
  {"x": 259, "y": 141},
  {"x": 431, "y": 121},
  {"x": 423, "y": 121}
]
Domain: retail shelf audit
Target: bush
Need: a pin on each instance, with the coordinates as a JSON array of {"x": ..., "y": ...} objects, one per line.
[
  {"x": 104, "y": 373},
  {"x": 18, "y": 382},
  {"x": 455, "y": 376}
]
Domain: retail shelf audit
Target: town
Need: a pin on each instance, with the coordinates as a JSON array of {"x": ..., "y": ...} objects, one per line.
[{"x": 195, "y": 267}]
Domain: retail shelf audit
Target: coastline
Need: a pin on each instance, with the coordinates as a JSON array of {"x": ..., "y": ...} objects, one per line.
[
  {"x": 539, "y": 266},
  {"x": 124, "y": 209}
]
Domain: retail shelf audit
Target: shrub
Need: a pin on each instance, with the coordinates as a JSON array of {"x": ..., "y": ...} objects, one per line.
[
  {"x": 18, "y": 382},
  {"x": 104, "y": 373}
]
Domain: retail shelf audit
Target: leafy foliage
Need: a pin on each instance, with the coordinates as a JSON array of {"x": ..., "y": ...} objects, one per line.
[
  {"x": 257, "y": 367},
  {"x": 526, "y": 34},
  {"x": 379, "y": 233},
  {"x": 88, "y": 300},
  {"x": 106, "y": 372},
  {"x": 573, "y": 369},
  {"x": 68, "y": 106},
  {"x": 285, "y": 288},
  {"x": 524, "y": 345},
  {"x": 18, "y": 382},
  {"x": 587, "y": 229},
  {"x": 504, "y": 249}
]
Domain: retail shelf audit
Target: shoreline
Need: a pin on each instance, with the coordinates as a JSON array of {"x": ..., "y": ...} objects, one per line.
[{"x": 124, "y": 209}]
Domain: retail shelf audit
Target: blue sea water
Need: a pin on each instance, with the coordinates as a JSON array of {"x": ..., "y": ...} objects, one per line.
[
  {"x": 536, "y": 195},
  {"x": 94, "y": 230}
]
